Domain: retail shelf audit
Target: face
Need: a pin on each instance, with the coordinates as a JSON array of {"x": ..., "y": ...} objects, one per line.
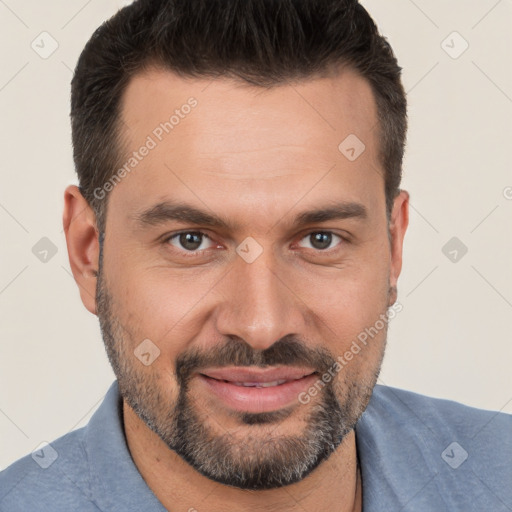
[{"x": 244, "y": 254}]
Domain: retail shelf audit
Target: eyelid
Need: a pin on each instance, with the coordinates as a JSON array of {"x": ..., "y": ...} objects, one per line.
[
  {"x": 313, "y": 231},
  {"x": 167, "y": 238}
]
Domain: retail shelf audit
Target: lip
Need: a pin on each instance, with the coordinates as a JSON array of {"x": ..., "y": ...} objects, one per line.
[
  {"x": 255, "y": 374},
  {"x": 221, "y": 381}
]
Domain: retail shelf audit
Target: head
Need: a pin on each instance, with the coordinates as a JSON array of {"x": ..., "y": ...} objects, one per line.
[{"x": 239, "y": 207}]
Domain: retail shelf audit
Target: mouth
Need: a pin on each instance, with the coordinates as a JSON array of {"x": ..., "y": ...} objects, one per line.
[
  {"x": 258, "y": 384},
  {"x": 257, "y": 389}
]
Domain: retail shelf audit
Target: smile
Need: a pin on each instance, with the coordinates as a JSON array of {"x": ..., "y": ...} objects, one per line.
[{"x": 255, "y": 389}]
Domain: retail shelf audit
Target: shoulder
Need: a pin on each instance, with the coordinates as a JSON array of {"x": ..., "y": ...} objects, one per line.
[
  {"x": 484, "y": 435},
  {"x": 54, "y": 477},
  {"x": 87, "y": 470},
  {"x": 445, "y": 417},
  {"x": 440, "y": 451}
]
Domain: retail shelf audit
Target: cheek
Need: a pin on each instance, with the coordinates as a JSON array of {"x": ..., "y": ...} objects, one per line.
[
  {"x": 350, "y": 298},
  {"x": 350, "y": 306},
  {"x": 162, "y": 305}
]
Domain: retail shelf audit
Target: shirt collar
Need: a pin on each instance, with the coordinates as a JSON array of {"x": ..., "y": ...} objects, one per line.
[{"x": 116, "y": 483}]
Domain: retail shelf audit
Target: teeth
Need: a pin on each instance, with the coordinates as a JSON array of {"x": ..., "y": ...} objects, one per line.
[{"x": 259, "y": 384}]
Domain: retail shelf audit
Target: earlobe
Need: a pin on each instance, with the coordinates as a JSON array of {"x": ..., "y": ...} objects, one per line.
[
  {"x": 392, "y": 295},
  {"x": 397, "y": 228},
  {"x": 79, "y": 222}
]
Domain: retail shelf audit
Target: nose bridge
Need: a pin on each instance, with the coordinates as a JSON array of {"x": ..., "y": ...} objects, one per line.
[{"x": 257, "y": 307}]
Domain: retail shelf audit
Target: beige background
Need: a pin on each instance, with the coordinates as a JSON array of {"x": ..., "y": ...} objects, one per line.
[{"x": 452, "y": 338}]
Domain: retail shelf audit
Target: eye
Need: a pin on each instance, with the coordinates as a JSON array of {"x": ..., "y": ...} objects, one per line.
[
  {"x": 320, "y": 240},
  {"x": 190, "y": 241}
]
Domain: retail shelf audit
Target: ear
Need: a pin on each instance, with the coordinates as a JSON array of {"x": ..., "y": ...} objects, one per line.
[
  {"x": 397, "y": 227},
  {"x": 82, "y": 240}
]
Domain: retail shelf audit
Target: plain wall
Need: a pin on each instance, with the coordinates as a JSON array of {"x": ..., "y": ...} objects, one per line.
[{"x": 452, "y": 338}]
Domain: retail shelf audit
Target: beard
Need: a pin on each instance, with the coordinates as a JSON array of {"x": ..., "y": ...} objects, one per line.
[{"x": 259, "y": 459}]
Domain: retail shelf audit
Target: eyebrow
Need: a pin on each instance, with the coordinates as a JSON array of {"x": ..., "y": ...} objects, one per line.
[{"x": 167, "y": 211}]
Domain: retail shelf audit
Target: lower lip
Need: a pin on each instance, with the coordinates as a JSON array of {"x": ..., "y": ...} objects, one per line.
[{"x": 253, "y": 399}]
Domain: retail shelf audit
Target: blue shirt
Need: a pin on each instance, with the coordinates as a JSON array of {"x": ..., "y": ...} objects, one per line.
[{"x": 416, "y": 453}]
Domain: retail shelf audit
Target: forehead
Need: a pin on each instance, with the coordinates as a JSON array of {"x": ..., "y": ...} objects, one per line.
[
  {"x": 222, "y": 136},
  {"x": 343, "y": 102}
]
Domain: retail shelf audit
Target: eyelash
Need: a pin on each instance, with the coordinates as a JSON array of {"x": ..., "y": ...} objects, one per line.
[{"x": 197, "y": 253}]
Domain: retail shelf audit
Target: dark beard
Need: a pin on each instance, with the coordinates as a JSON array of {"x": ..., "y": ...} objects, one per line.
[
  {"x": 257, "y": 463},
  {"x": 254, "y": 462}
]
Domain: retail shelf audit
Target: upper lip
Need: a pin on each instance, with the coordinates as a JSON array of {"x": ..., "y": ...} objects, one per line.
[{"x": 257, "y": 375}]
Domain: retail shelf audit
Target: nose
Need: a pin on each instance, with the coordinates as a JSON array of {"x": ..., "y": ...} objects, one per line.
[{"x": 258, "y": 303}]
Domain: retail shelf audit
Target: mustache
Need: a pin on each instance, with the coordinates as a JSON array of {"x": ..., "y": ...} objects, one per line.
[{"x": 288, "y": 351}]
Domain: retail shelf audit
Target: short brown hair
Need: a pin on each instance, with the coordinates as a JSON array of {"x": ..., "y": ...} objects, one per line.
[{"x": 262, "y": 42}]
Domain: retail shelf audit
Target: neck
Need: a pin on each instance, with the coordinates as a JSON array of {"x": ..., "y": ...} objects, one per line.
[{"x": 334, "y": 485}]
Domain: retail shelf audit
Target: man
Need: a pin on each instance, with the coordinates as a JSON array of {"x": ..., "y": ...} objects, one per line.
[{"x": 238, "y": 231}]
